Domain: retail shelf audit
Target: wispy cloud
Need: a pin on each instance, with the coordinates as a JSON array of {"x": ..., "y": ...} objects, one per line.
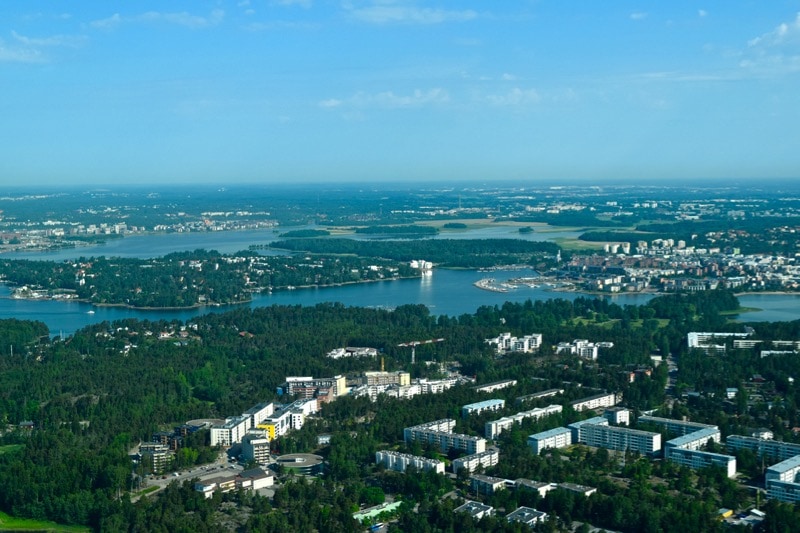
[
  {"x": 702, "y": 13},
  {"x": 638, "y": 15},
  {"x": 306, "y": 4},
  {"x": 390, "y": 100},
  {"x": 774, "y": 53},
  {"x": 182, "y": 18},
  {"x": 26, "y": 49},
  {"x": 19, "y": 54},
  {"x": 515, "y": 97},
  {"x": 394, "y": 12},
  {"x": 72, "y": 41}
]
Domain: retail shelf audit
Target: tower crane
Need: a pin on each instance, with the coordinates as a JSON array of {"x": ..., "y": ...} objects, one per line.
[{"x": 414, "y": 344}]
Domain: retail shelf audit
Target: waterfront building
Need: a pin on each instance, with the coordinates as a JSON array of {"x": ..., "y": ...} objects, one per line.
[{"x": 552, "y": 438}]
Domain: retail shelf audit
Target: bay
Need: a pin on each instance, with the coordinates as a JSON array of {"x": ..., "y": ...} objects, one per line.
[{"x": 444, "y": 292}]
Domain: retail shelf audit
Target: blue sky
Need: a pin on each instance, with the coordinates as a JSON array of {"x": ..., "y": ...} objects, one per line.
[{"x": 107, "y": 92}]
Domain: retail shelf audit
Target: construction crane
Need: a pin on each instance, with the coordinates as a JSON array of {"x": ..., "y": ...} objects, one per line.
[{"x": 414, "y": 345}]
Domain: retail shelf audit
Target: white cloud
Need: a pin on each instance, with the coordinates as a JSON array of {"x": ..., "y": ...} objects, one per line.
[
  {"x": 516, "y": 97},
  {"x": 638, "y": 15},
  {"x": 180, "y": 18},
  {"x": 16, "y": 54},
  {"x": 306, "y": 4},
  {"x": 330, "y": 103},
  {"x": 702, "y": 13},
  {"x": 775, "y": 52},
  {"x": 390, "y": 100},
  {"x": 107, "y": 23},
  {"x": 73, "y": 41},
  {"x": 784, "y": 33},
  {"x": 508, "y": 77},
  {"x": 390, "y": 12}
]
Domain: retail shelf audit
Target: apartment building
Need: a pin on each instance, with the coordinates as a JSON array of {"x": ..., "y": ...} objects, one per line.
[
  {"x": 676, "y": 427},
  {"x": 552, "y": 438},
  {"x": 575, "y": 427},
  {"x": 781, "y": 480},
  {"x": 156, "y": 456},
  {"x": 595, "y": 402},
  {"x": 505, "y": 343},
  {"x": 400, "y": 378},
  {"x": 538, "y": 395},
  {"x": 618, "y": 416},
  {"x": 694, "y": 440},
  {"x": 696, "y": 459},
  {"x": 493, "y": 429},
  {"x": 471, "y": 463},
  {"x": 439, "y": 434},
  {"x": 773, "y": 449},
  {"x": 620, "y": 438},
  {"x": 399, "y": 462},
  {"x": 326, "y": 389},
  {"x": 231, "y": 431},
  {"x": 482, "y": 407},
  {"x": 255, "y": 446}
]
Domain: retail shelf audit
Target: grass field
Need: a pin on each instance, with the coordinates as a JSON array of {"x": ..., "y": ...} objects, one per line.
[
  {"x": 9, "y": 448},
  {"x": 10, "y": 523}
]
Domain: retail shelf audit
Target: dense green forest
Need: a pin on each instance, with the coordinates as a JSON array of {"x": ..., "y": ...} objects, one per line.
[
  {"x": 188, "y": 279},
  {"x": 93, "y": 396},
  {"x": 444, "y": 252}
]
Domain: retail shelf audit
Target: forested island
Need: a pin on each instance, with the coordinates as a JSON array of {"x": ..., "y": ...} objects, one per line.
[
  {"x": 190, "y": 279},
  {"x": 72, "y": 410}
]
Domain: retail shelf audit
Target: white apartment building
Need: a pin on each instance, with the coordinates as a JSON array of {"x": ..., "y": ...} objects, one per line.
[
  {"x": 618, "y": 416},
  {"x": 495, "y": 385},
  {"x": 620, "y": 438},
  {"x": 695, "y": 440},
  {"x": 439, "y": 434},
  {"x": 231, "y": 431},
  {"x": 595, "y": 402},
  {"x": 552, "y": 438},
  {"x": 259, "y": 413},
  {"x": 255, "y": 447},
  {"x": 695, "y": 459},
  {"x": 493, "y": 429},
  {"x": 482, "y": 407},
  {"x": 505, "y": 343},
  {"x": 774, "y": 449},
  {"x": 782, "y": 480},
  {"x": 485, "y": 459},
  {"x": 678, "y": 427},
  {"x": 399, "y": 462}
]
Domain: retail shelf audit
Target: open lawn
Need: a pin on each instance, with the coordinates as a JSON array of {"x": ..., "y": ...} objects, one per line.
[
  {"x": 10, "y": 448},
  {"x": 608, "y": 324},
  {"x": 10, "y": 523}
]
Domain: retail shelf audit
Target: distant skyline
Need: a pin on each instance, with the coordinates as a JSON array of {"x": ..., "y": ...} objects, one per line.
[{"x": 286, "y": 91}]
